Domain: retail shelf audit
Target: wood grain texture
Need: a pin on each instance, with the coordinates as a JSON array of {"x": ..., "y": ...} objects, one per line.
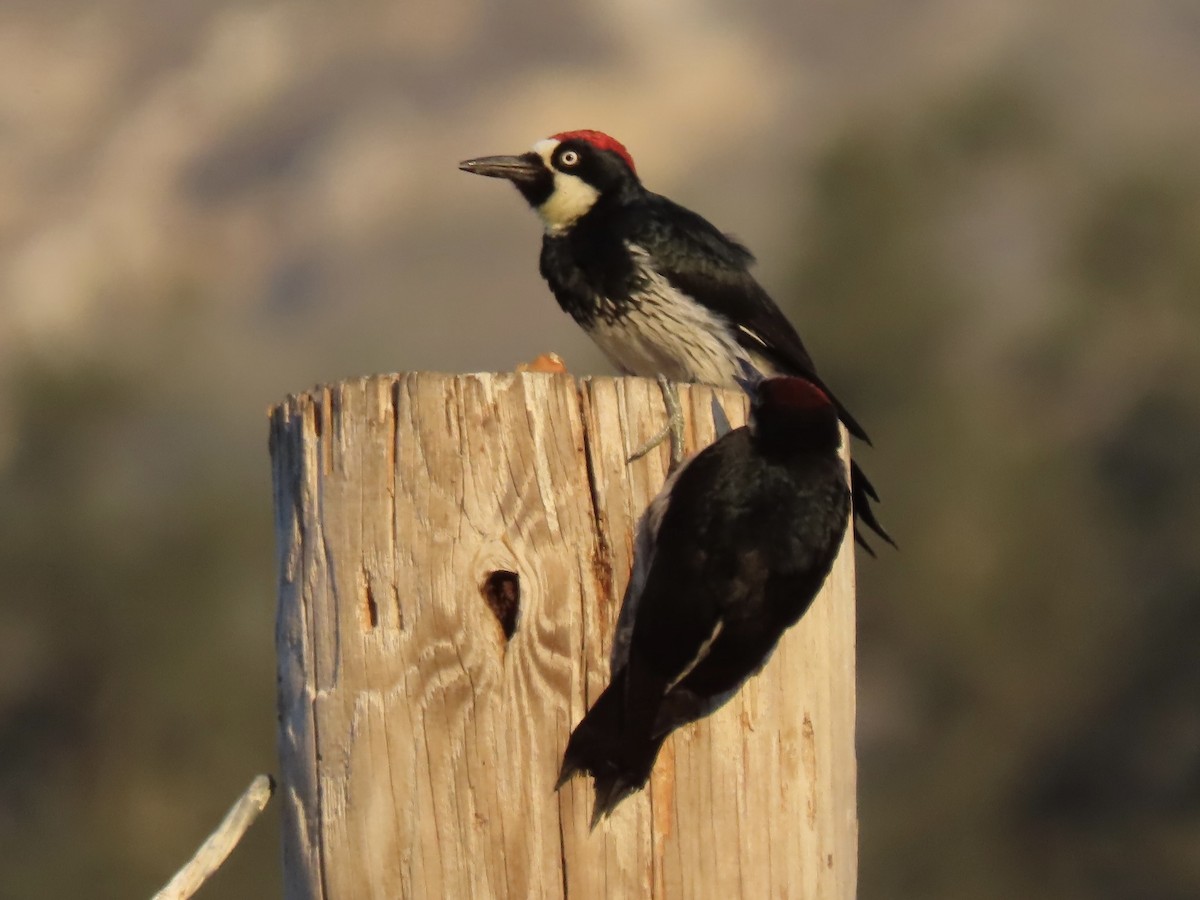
[{"x": 419, "y": 746}]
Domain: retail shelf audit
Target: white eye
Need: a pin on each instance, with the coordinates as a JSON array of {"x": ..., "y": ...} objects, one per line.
[{"x": 569, "y": 158}]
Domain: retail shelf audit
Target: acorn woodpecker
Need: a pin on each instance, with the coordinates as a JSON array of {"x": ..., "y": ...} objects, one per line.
[
  {"x": 728, "y": 556},
  {"x": 659, "y": 289}
]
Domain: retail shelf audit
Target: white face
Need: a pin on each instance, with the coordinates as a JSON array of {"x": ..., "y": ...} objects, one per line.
[{"x": 572, "y": 195}]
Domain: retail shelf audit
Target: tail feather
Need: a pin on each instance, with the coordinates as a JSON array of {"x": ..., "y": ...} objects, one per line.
[
  {"x": 848, "y": 420},
  {"x": 861, "y": 489},
  {"x": 602, "y": 746},
  {"x": 863, "y": 492}
]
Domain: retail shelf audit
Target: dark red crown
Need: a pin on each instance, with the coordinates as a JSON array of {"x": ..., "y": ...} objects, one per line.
[{"x": 792, "y": 392}]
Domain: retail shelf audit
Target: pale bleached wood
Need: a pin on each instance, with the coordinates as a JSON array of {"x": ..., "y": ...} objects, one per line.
[
  {"x": 217, "y": 847},
  {"x": 419, "y": 747}
]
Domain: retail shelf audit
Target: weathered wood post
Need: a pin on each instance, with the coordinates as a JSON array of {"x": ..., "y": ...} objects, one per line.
[{"x": 452, "y": 554}]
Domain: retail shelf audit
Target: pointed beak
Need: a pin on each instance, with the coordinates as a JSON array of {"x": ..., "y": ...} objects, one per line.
[{"x": 519, "y": 169}]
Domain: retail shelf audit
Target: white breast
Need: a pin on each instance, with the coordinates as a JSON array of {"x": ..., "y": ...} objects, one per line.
[{"x": 670, "y": 334}]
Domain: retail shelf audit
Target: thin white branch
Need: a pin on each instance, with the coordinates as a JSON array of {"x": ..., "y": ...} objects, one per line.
[{"x": 221, "y": 842}]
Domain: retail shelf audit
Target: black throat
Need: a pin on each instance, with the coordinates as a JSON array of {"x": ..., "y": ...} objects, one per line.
[
  {"x": 536, "y": 190},
  {"x": 589, "y": 267}
]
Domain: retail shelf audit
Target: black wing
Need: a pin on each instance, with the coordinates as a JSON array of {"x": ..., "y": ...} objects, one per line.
[
  {"x": 721, "y": 588},
  {"x": 713, "y": 269},
  {"x": 681, "y": 603}
]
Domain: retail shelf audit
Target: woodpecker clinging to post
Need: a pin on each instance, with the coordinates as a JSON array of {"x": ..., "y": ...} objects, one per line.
[
  {"x": 659, "y": 289},
  {"x": 729, "y": 555}
]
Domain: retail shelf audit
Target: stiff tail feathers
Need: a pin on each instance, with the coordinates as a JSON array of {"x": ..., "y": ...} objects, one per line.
[
  {"x": 601, "y": 745},
  {"x": 862, "y": 492},
  {"x": 861, "y": 489}
]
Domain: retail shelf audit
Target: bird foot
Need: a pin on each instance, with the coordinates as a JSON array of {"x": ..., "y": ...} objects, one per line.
[{"x": 673, "y": 429}]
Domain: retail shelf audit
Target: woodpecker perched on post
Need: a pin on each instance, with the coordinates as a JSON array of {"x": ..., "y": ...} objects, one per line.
[
  {"x": 729, "y": 555},
  {"x": 659, "y": 289}
]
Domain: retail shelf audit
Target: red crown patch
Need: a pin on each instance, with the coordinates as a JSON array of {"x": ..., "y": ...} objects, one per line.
[{"x": 600, "y": 141}]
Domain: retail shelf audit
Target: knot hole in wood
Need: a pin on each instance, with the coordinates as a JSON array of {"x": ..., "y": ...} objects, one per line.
[{"x": 502, "y": 592}]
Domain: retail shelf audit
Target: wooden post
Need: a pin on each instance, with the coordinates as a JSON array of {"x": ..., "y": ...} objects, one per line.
[{"x": 452, "y": 553}]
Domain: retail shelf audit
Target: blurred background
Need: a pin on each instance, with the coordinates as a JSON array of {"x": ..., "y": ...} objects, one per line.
[{"x": 984, "y": 217}]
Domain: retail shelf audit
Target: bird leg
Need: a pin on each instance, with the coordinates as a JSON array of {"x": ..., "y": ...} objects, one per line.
[{"x": 673, "y": 429}]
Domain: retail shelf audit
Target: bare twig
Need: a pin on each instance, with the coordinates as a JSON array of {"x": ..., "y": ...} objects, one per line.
[{"x": 221, "y": 842}]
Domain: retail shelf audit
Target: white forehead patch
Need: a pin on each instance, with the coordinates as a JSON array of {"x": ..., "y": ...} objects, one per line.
[
  {"x": 545, "y": 149},
  {"x": 572, "y": 196}
]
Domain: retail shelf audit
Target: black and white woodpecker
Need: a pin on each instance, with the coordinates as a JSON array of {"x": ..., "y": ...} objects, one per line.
[
  {"x": 661, "y": 290},
  {"x": 728, "y": 556}
]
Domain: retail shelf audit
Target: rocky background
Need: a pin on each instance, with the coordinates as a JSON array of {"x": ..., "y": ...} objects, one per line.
[{"x": 984, "y": 216}]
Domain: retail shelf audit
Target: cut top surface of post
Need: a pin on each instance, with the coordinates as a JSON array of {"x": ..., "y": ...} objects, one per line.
[{"x": 452, "y": 554}]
